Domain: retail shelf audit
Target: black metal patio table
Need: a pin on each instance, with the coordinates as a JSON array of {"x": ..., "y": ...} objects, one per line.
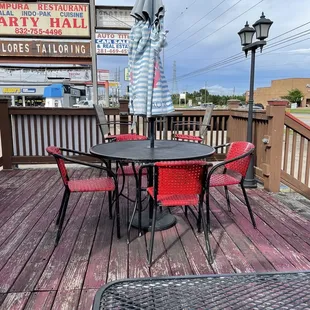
[
  {"x": 140, "y": 151},
  {"x": 236, "y": 291}
]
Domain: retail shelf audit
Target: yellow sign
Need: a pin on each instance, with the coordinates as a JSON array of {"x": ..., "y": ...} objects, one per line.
[
  {"x": 10, "y": 90},
  {"x": 114, "y": 84},
  {"x": 44, "y": 19}
]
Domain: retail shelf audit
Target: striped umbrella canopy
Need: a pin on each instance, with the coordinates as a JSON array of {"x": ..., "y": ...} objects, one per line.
[{"x": 148, "y": 88}]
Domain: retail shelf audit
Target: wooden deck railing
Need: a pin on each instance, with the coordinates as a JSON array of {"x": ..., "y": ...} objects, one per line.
[
  {"x": 296, "y": 155},
  {"x": 26, "y": 132}
]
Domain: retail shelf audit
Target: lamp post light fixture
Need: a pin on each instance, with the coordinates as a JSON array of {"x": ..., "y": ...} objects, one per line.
[{"x": 261, "y": 28}]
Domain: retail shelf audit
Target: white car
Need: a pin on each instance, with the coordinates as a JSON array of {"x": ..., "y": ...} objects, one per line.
[{"x": 84, "y": 104}]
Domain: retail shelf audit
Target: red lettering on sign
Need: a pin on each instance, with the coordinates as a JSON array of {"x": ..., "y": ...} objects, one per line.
[
  {"x": 34, "y": 21},
  {"x": 24, "y": 21},
  {"x": 3, "y": 22},
  {"x": 55, "y": 23},
  {"x": 66, "y": 23},
  {"x": 13, "y": 21}
]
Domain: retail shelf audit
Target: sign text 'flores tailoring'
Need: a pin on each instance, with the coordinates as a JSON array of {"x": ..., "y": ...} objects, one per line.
[
  {"x": 44, "y": 49},
  {"x": 112, "y": 43},
  {"x": 44, "y": 19}
]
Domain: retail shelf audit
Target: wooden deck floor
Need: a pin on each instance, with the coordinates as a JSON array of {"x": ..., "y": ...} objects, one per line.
[{"x": 34, "y": 275}]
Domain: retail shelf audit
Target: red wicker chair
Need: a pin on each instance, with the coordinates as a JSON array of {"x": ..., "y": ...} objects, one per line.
[
  {"x": 105, "y": 128},
  {"x": 178, "y": 183},
  {"x": 231, "y": 171},
  {"x": 202, "y": 131},
  {"x": 107, "y": 184}
]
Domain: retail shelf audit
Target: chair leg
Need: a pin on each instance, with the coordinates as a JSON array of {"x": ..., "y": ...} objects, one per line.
[
  {"x": 150, "y": 254},
  {"x": 139, "y": 212},
  {"x": 206, "y": 231},
  {"x": 131, "y": 220},
  {"x": 248, "y": 205},
  {"x": 118, "y": 225},
  {"x": 208, "y": 212},
  {"x": 110, "y": 205},
  {"x": 227, "y": 198},
  {"x": 199, "y": 220},
  {"x": 61, "y": 206},
  {"x": 62, "y": 216}
]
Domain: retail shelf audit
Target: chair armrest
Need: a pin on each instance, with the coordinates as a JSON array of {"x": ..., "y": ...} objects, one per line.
[
  {"x": 76, "y": 161},
  {"x": 220, "y": 146},
  {"x": 83, "y": 154},
  {"x": 225, "y": 162}
]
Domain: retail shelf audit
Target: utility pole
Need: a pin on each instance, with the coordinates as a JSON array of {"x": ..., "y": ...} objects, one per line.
[
  {"x": 175, "y": 90},
  {"x": 93, "y": 51},
  {"x": 206, "y": 92}
]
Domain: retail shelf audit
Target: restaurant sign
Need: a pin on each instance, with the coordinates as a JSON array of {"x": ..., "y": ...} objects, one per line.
[
  {"x": 44, "y": 19},
  {"x": 114, "y": 17},
  {"x": 112, "y": 43},
  {"x": 36, "y": 48}
]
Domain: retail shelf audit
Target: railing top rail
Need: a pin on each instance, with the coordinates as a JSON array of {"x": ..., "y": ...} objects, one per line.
[
  {"x": 58, "y": 111},
  {"x": 297, "y": 125}
]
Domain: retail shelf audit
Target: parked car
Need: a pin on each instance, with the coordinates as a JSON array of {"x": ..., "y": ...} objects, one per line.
[{"x": 84, "y": 104}]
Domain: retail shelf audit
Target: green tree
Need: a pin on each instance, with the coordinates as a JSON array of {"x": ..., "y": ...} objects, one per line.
[{"x": 294, "y": 95}]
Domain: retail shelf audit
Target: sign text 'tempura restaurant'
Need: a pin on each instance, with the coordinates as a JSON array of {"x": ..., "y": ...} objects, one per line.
[{"x": 44, "y": 19}]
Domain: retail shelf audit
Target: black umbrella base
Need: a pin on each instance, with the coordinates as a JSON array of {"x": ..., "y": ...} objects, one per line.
[{"x": 164, "y": 220}]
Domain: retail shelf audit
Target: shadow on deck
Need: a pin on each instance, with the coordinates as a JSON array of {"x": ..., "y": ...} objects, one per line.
[{"x": 34, "y": 275}]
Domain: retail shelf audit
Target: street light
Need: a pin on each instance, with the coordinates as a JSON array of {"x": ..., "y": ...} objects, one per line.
[{"x": 262, "y": 27}]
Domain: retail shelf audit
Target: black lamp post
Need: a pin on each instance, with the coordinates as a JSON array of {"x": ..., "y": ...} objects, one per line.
[{"x": 246, "y": 34}]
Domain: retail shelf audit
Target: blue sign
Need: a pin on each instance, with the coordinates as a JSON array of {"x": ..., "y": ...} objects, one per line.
[{"x": 29, "y": 90}]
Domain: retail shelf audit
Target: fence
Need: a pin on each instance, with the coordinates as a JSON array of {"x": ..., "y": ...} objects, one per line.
[{"x": 26, "y": 132}]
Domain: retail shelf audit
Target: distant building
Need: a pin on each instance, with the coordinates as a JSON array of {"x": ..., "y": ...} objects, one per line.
[{"x": 281, "y": 88}]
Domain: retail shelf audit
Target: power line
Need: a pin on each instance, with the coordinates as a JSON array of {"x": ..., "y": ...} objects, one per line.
[
  {"x": 186, "y": 9},
  {"x": 196, "y": 22},
  {"x": 206, "y": 25},
  {"x": 190, "y": 46},
  {"x": 232, "y": 60}
]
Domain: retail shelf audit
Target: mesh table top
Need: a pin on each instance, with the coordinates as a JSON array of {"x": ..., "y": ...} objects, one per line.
[{"x": 237, "y": 291}]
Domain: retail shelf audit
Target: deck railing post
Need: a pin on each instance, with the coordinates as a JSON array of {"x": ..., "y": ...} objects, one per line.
[
  {"x": 273, "y": 143},
  {"x": 124, "y": 116},
  {"x": 6, "y": 133}
]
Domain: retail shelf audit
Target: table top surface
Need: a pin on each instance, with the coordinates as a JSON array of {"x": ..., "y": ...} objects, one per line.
[
  {"x": 237, "y": 291},
  {"x": 140, "y": 151}
]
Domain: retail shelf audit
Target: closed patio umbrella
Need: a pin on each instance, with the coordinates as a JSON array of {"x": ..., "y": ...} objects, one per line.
[{"x": 149, "y": 94}]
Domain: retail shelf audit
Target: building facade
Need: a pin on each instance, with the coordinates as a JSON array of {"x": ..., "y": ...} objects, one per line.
[{"x": 280, "y": 88}]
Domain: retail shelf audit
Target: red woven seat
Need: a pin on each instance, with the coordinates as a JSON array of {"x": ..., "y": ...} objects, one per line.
[
  {"x": 129, "y": 137},
  {"x": 175, "y": 200},
  {"x": 178, "y": 183},
  {"x": 92, "y": 185},
  {"x": 104, "y": 184},
  {"x": 223, "y": 180},
  {"x": 187, "y": 137}
]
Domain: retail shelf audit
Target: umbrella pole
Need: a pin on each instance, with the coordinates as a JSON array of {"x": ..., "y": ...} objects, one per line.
[{"x": 152, "y": 131}]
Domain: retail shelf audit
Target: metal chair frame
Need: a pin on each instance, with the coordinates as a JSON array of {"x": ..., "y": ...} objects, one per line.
[
  {"x": 225, "y": 170},
  {"x": 66, "y": 196},
  {"x": 201, "y": 215},
  {"x": 203, "y": 129}
]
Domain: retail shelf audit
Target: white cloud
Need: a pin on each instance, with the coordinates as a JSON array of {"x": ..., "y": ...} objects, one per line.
[
  {"x": 300, "y": 51},
  {"x": 219, "y": 90}
]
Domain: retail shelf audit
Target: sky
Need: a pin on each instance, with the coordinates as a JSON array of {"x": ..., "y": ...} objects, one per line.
[{"x": 203, "y": 33}]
